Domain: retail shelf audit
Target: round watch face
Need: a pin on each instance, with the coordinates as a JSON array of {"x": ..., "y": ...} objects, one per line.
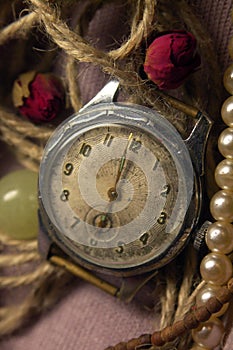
[{"x": 116, "y": 182}]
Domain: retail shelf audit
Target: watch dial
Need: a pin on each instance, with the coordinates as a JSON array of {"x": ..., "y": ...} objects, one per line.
[{"x": 117, "y": 193}]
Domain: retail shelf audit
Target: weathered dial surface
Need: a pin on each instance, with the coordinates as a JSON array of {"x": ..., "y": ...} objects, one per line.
[{"x": 117, "y": 195}]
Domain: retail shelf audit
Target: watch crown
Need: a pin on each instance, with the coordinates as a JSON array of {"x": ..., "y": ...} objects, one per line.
[{"x": 199, "y": 238}]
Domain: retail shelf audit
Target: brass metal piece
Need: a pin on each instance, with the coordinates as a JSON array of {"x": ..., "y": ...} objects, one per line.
[
  {"x": 181, "y": 106},
  {"x": 85, "y": 275}
]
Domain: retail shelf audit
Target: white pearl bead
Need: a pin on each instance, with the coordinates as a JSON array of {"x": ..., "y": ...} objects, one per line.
[
  {"x": 219, "y": 237},
  {"x": 198, "y": 347},
  {"x": 207, "y": 292},
  {"x": 227, "y": 111},
  {"x": 221, "y": 205},
  {"x": 216, "y": 268},
  {"x": 209, "y": 334},
  {"x": 224, "y": 174},
  {"x": 225, "y": 143},
  {"x": 228, "y": 79}
]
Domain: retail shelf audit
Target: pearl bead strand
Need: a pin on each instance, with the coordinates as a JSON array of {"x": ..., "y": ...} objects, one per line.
[{"x": 216, "y": 267}]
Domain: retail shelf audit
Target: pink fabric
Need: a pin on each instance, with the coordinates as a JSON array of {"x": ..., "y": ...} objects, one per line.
[
  {"x": 86, "y": 318},
  {"x": 216, "y": 16}
]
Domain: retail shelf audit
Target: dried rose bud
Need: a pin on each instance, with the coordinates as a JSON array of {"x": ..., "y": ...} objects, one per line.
[
  {"x": 171, "y": 58},
  {"x": 39, "y": 97}
]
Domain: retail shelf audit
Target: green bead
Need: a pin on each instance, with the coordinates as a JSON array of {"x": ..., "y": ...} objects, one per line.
[{"x": 19, "y": 205}]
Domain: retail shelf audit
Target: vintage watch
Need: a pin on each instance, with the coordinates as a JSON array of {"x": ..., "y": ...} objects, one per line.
[{"x": 120, "y": 191}]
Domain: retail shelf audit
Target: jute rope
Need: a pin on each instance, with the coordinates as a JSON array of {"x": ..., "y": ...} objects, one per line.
[
  {"x": 28, "y": 140},
  {"x": 18, "y": 29}
]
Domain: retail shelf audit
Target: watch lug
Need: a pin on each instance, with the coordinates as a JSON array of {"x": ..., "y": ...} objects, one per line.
[
  {"x": 197, "y": 140},
  {"x": 44, "y": 242},
  {"x": 138, "y": 286},
  {"x": 105, "y": 95}
]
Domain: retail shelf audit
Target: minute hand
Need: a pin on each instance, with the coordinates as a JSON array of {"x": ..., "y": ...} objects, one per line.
[{"x": 122, "y": 161}]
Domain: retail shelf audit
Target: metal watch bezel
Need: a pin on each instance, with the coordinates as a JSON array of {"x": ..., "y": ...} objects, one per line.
[{"x": 182, "y": 238}]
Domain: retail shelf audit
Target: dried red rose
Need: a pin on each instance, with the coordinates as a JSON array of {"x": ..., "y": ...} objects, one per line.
[
  {"x": 38, "y": 96},
  {"x": 171, "y": 58}
]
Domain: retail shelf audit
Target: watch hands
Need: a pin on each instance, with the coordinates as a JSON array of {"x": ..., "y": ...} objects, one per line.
[
  {"x": 112, "y": 193},
  {"x": 123, "y": 159},
  {"x": 103, "y": 221}
]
